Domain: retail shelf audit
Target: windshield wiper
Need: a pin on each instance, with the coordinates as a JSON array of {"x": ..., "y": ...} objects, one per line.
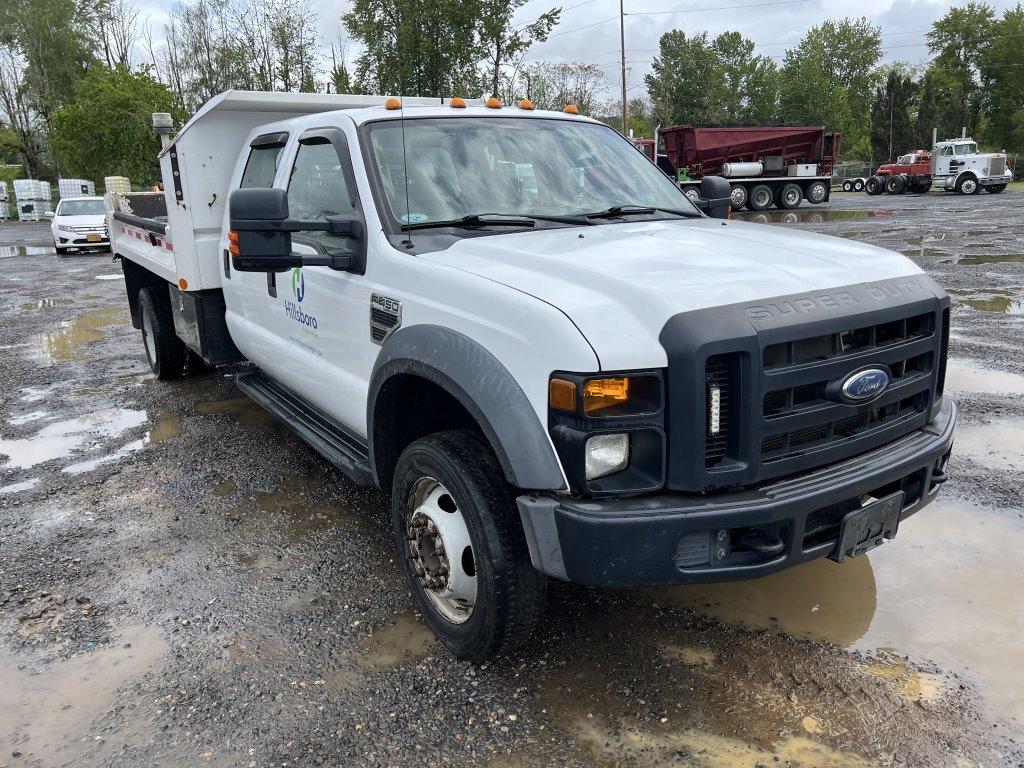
[
  {"x": 494, "y": 219},
  {"x": 628, "y": 210}
]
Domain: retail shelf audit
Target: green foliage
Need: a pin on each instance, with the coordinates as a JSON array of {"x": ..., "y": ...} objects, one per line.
[
  {"x": 504, "y": 42},
  {"x": 695, "y": 79},
  {"x": 893, "y": 130},
  {"x": 553, "y": 85},
  {"x": 828, "y": 77},
  {"x": 1002, "y": 78},
  {"x": 105, "y": 130},
  {"x": 412, "y": 50}
]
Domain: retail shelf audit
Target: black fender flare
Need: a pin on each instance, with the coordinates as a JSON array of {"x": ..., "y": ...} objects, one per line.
[{"x": 483, "y": 386}]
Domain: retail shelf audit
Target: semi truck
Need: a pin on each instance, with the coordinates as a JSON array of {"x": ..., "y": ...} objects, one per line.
[
  {"x": 765, "y": 165},
  {"x": 554, "y": 364},
  {"x": 954, "y": 165}
]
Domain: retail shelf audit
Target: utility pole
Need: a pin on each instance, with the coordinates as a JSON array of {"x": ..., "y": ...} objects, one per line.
[{"x": 622, "y": 52}]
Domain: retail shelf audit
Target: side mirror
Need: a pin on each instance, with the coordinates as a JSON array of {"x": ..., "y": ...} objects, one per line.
[
  {"x": 261, "y": 234},
  {"x": 260, "y": 240},
  {"x": 715, "y": 197},
  {"x": 48, "y": 215}
]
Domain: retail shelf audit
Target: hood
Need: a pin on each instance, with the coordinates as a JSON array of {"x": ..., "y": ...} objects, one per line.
[
  {"x": 620, "y": 283},
  {"x": 86, "y": 220}
]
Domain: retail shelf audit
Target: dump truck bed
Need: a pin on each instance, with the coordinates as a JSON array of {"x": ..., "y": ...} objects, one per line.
[{"x": 703, "y": 149}]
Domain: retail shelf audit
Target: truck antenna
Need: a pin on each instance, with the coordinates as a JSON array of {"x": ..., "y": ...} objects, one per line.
[{"x": 405, "y": 172}]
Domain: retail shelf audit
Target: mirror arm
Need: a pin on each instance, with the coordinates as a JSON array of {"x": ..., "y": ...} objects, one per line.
[{"x": 340, "y": 262}]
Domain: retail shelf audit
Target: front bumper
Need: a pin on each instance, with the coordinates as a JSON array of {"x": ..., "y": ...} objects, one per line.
[
  {"x": 73, "y": 240},
  {"x": 697, "y": 538}
]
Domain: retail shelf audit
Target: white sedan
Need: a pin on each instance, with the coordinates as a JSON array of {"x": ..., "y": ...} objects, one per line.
[{"x": 79, "y": 223}]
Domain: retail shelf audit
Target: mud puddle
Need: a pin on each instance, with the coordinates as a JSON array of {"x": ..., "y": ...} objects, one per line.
[
  {"x": 245, "y": 409},
  {"x": 67, "y": 341},
  {"x": 10, "y": 251},
  {"x": 945, "y": 590},
  {"x": 995, "y": 300},
  {"x": 999, "y": 445},
  {"x": 407, "y": 641},
  {"x": 970, "y": 376},
  {"x": 1004, "y": 258},
  {"x": 50, "y": 711},
  {"x": 808, "y": 216},
  {"x": 47, "y": 303},
  {"x": 61, "y": 439}
]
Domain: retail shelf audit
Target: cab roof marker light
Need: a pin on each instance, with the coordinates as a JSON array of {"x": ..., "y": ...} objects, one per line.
[
  {"x": 571, "y": 109},
  {"x": 392, "y": 104},
  {"x": 493, "y": 103},
  {"x": 457, "y": 102},
  {"x": 526, "y": 104}
]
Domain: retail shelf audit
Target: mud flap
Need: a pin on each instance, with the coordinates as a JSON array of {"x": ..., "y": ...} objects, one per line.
[{"x": 866, "y": 528}]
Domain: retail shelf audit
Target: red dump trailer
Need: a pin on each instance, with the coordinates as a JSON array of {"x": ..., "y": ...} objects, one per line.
[{"x": 766, "y": 165}]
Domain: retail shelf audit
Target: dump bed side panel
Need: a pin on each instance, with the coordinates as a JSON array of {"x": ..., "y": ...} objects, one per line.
[{"x": 703, "y": 149}]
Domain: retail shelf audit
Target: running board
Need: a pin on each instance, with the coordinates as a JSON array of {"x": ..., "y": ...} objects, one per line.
[{"x": 322, "y": 432}]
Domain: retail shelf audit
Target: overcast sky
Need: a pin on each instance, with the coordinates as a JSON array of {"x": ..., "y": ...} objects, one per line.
[{"x": 589, "y": 29}]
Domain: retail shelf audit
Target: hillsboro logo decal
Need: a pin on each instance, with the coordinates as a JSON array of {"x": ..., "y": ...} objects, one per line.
[{"x": 291, "y": 308}]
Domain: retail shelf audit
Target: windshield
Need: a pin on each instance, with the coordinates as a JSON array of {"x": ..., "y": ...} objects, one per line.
[
  {"x": 965, "y": 149},
  {"x": 80, "y": 207},
  {"x": 512, "y": 166}
]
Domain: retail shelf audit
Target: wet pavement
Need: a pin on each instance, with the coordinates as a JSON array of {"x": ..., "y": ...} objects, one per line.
[{"x": 183, "y": 582}]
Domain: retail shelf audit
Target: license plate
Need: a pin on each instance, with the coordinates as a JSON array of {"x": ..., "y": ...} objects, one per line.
[
  {"x": 866, "y": 528},
  {"x": 93, "y": 238}
]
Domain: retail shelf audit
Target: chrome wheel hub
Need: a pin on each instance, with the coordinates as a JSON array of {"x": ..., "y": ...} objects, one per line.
[{"x": 441, "y": 551}]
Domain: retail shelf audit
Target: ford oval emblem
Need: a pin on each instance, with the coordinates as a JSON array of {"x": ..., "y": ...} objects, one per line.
[{"x": 865, "y": 385}]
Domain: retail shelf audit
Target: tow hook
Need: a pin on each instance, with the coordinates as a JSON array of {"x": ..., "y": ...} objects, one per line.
[{"x": 760, "y": 541}]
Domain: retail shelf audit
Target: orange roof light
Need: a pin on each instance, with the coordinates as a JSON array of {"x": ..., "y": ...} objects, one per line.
[
  {"x": 526, "y": 104},
  {"x": 571, "y": 109},
  {"x": 183, "y": 284},
  {"x": 457, "y": 102},
  {"x": 493, "y": 103},
  {"x": 392, "y": 103}
]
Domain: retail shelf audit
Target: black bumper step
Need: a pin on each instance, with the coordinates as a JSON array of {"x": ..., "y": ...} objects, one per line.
[{"x": 322, "y": 432}]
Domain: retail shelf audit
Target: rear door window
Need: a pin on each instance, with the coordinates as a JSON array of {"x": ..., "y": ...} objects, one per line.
[{"x": 261, "y": 167}]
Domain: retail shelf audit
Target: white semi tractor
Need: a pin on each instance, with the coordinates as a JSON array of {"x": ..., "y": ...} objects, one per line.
[{"x": 553, "y": 362}]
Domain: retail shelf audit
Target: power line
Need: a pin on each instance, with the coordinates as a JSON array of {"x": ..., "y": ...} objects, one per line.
[{"x": 720, "y": 8}]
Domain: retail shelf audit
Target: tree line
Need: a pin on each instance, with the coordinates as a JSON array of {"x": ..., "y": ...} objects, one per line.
[{"x": 79, "y": 78}]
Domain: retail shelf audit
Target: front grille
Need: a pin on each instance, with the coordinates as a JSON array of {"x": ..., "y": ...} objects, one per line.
[
  {"x": 997, "y": 166},
  {"x": 799, "y": 412}
]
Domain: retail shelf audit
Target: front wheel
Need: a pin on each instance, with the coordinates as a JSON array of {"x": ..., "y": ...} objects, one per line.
[
  {"x": 967, "y": 185},
  {"x": 462, "y": 545},
  {"x": 817, "y": 192}
]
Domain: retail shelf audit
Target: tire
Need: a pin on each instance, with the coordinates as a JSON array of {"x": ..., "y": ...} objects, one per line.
[
  {"x": 738, "y": 195},
  {"x": 858, "y": 185},
  {"x": 847, "y": 186},
  {"x": 967, "y": 185},
  {"x": 996, "y": 189},
  {"x": 875, "y": 185},
  {"x": 790, "y": 196},
  {"x": 508, "y": 593},
  {"x": 761, "y": 198},
  {"x": 895, "y": 185},
  {"x": 164, "y": 350},
  {"x": 817, "y": 192}
]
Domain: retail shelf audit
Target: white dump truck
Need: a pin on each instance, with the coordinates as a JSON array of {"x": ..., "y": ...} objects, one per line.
[{"x": 553, "y": 362}]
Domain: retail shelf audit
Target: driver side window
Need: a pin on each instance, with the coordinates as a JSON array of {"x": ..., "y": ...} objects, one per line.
[{"x": 317, "y": 189}]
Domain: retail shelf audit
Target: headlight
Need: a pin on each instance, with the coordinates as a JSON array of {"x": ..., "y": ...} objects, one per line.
[
  {"x": 65, "y": 228},
  {"x": 606, "y": 454},
  {"x": 618, "y": 396}
]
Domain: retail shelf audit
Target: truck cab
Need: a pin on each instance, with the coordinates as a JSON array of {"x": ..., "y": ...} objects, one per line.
[
  {"x": 957, "y": 165},
  {"x": 554, "y": 364}
]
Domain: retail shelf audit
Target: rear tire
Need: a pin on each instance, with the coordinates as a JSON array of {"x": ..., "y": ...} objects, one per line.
[
  {"x": 164, "y": 350},
  {"x": 875, "y": 185},
  {"x": 817, "y": 192},
  {"x": 896, "y": 185},
  {"x": 858, "y": 185},
  {"x": 790, "y": 197},
  {"x": 996, "y": 189},
  {"x": 761, "y": 198},
  {"x": 847, "y": 186},
  {"x": 455, "y": 473},
  {"x": 738, "y": 196}
]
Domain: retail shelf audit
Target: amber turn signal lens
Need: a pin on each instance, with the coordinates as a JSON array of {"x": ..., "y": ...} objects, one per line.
[
  {"x": 562, "y": 395},
  {"x": 233, "y": 243},
  {"x": 602, "y": 393}
]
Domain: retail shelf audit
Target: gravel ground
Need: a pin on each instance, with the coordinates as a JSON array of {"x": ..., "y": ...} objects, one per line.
[{"x": 183, "y": 582}]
